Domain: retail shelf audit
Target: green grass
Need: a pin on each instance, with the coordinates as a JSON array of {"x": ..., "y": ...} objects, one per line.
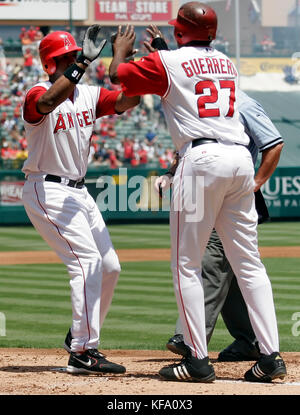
[
  {"x": 144, "y": 236},
  {"x": 36, "y": 303},
  {"x": 35, "y": 299}
]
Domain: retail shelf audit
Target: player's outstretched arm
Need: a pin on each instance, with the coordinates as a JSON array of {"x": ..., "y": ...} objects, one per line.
[
  {"x": 123, "y": 102},
  {"x": 69, "y": 70},
  {"x": 122, "y": 49}
]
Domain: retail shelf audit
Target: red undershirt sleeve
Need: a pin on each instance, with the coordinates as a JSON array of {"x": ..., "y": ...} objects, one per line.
[
  {"x": 30, "y": 111},
  {"x": 106, "y": 102},
  {"x": 146, "y": 76}
]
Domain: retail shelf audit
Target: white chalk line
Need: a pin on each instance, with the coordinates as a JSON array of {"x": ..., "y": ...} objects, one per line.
[
  {"x": 258, "y": 383},
  {"x": 63, "y": 369}
]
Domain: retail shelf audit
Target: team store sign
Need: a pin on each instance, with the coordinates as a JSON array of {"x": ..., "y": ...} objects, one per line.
[{"x": 133, "y": 10}]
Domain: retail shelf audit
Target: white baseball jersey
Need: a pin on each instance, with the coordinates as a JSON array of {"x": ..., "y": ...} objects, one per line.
[
  {"x": 67, "y": 217},
  {"x": 59, "y": 144},
  {"x": 213, "y": 184},
  {"x": 201, "y": 95}
]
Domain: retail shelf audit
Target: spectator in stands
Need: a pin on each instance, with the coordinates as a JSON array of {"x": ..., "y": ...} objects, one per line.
[
  {"x": 17, "y": 113},
  {"x": 31, "y": 33},
  {"x": 128, "y": 149},
  {"x": 22, "y": 154},
  {"x": 159, "y": 150},
  {"x": 101, "y": 156},
  {"x": 100, "y": 73},
  {"x": 143, "y": 154},
  {"x": 111, "y": 132},
  {"x": 4, "y": 101},
  {"x": 6, "y": 151},
  {"x": 9, "y": 123},
  {"x": 15, "y": 134},
  {"x": 103, "y": 129},
  {"x": 166, "y": 159},
  {"x": 150, "y": 137},
  {"x": 24, "y": 38},
  {"x": 28, "y": 61},
  {"x": 23, "y": 141},
  {"x": 114, "y": 162},
  {"x": 95, "y": 140}
]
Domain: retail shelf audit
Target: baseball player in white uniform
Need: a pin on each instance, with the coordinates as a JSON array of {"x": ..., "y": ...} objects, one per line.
[
  {"x": 59, "y": 117},
  {"x": 213, "y": 184}
]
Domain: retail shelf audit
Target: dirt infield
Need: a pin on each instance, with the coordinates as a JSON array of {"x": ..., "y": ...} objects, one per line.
[
  {"x": 129, "y": 255},
  {"x": 42, "y": 372}
]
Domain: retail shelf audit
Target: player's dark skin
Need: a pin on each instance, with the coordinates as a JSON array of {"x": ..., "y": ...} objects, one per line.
[{"x": 62, "y": 87}]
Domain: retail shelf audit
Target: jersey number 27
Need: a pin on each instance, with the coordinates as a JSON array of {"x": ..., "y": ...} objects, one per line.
[{"x": 213, "y": 98}]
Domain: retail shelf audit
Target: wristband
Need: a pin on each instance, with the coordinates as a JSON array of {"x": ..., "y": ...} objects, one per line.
[
  {"x": 74, "y": 73},
  {"x": 159, "y": 43},
  {"x": 82, "y": 59}
]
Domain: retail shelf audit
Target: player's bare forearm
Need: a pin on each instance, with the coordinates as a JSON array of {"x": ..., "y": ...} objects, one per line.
[
  {"x": 60, "y": 90},
  {"x": 118, "y": 58},
  {"x": 269, "y": 162},
  {"x": 123, "y": 103},
  {"x": 122, "y": 49}
]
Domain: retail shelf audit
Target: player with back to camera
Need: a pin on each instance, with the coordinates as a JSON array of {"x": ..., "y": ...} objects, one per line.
[
  {"x": 221, "y": 291},
  {"x": 59, "y": 117},
  {"x": 197, "y": 85}
]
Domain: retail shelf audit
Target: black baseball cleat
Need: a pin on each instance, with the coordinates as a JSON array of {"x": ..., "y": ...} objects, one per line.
[
  {"x": 68, "y": 341},
  {"x": 266, "y": 369},
  {"x": 176, "y": 345},
  {"x": 92, "y": 362},
  {"x": 239, "y": 351},
  {"x": 190, "y": 369}
]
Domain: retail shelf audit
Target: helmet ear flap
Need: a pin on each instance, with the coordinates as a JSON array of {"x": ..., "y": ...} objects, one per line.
[{"x": 50, "y": 66}]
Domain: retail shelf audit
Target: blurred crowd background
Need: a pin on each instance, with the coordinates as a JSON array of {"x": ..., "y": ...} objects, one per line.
[
  {"x": 140, "y": 136},
  {"x": 136, "y": 138}
]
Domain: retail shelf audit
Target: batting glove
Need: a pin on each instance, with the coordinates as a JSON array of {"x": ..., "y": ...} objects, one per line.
[{"x": 90, "y": 51}]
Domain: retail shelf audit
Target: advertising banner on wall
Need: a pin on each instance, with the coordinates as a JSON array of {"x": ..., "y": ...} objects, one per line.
[
  {"x": 282, "y": 193},
  {"x": 11, "y": 193},
  {"x": 43, "y": 9},
  {"x": 133, "y": 10}
]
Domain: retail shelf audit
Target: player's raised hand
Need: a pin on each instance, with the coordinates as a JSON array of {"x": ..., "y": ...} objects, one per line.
[
  {"x": 157, "y": 42},
  {"x": 154, "y": 31},
  {"x": 123, "y": 41},
  {"x": 90, "y": 49}
]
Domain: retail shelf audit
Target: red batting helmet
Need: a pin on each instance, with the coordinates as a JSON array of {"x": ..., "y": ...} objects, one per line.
[
  {"x": 195, "y": 21},
  {"x": 56, "y": 44}
]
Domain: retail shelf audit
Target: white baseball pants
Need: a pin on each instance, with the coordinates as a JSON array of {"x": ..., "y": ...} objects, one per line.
[
  {"x": 70, "y": 222},
  {"x": 218, "y": 180}
]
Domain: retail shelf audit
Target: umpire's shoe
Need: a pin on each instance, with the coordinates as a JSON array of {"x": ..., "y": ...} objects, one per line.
[
  {"x": 267, "y": 368},
  {"x": 239, "y": 351},
  {"x": 176, "y": 345},
  {"x": 92, "y": 362},
  {"x": 190, "y": 369}
]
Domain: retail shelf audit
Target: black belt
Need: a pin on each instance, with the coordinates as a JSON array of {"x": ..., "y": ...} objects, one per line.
[
  {"x": 199, "y": 141},
  {"x": 71, "y": 183}
]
